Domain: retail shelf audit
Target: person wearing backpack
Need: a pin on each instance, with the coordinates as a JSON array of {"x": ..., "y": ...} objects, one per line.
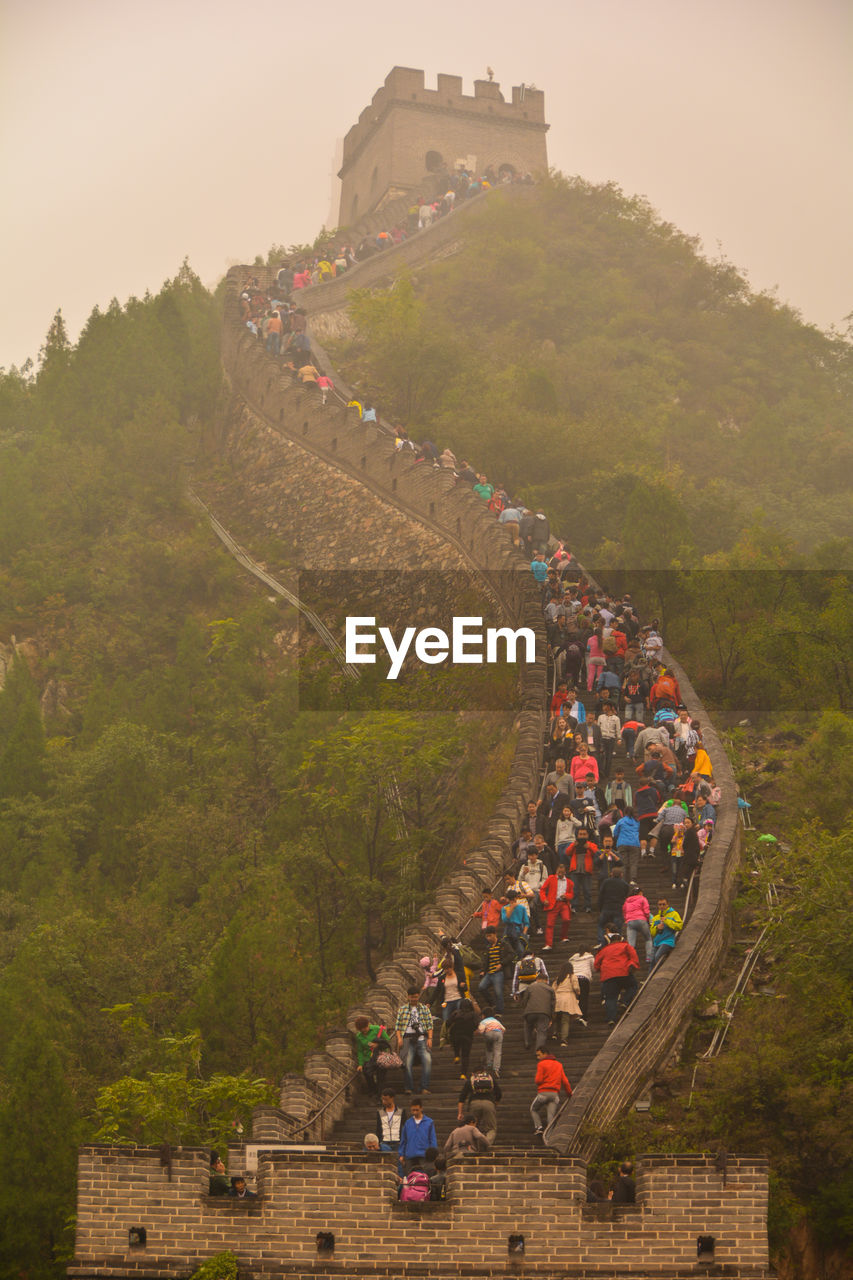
[
  {"x": 541, "y": 532},
  {"x": 478, "y": 1096},
  {"x": 414, "y": 1185},
  {"x": 538, "y": 1002},
  {"x": 665, "y": 692},
  {"x": 527, "y": 970},
  {"x": 531, "y": 877}
]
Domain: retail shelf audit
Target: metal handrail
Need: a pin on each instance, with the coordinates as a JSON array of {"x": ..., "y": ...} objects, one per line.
[{"x": 315, "y": 1115}]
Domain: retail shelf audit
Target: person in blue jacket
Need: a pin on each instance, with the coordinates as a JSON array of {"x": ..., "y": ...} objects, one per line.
[
  {"x": 418, "y": 1135},
  {"x": 626, "y": 837},
  {"x": 515, "y": 919}
]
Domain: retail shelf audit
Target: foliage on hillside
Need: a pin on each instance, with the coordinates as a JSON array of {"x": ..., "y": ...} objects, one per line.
[
  {"x": 783, "y": 1084},
  {"x": 195, "y": 876},
  {"x": 753, "y": 632},
  {"x": 694, "y": 442},
  {"x": 589, "y": 356}
]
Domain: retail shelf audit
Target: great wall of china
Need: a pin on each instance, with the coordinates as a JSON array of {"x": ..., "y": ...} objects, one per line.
[{"x": 283, "y": 443}]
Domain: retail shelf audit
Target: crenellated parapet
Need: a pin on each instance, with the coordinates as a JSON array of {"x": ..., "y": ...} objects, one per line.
[
  {"x": 408, "y": 131},
  {"x": 684, "y": 1204}
]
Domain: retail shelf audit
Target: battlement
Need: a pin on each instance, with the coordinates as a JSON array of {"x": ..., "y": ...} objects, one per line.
[
  {"x": 405, "y": 86},
  {"x": 353, "y": 1196},
  {"x": 409, "y": 130}
]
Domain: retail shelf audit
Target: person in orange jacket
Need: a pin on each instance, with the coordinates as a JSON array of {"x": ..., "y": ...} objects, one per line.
[
  {"x": 550, "y": 1080},
  {"x": 665, "y": 691}
]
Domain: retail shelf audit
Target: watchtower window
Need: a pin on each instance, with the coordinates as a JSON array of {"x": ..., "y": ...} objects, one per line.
[
  {"x": 507, "y": 170},
  {"x": 354, "y": 211},
  {"x": 434, "y": 161}
]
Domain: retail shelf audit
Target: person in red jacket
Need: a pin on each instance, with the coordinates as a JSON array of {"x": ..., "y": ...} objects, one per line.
[
  {"x": 556, "y": 895},
  {"x": 665, "y": 692},
  {"x": 560, "y": 698},
  {"x": 550, "y": 1079},
  {"x": 616, "y": 962},
  {"x": 580, "y": 857}
]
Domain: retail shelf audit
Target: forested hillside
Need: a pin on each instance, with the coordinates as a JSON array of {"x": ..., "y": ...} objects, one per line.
[
  {"x": 186, "y": 902},
  {"x": 179, "y": 909},
  {"x": 693, "y": 442},
  {"x": 586, "y": 353}
]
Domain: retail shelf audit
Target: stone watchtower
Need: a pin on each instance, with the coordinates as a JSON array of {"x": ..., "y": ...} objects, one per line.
[{"x": 409, "y": 131}]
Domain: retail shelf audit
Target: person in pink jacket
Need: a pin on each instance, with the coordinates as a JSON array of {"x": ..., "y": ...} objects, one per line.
[
  {"x": 595, "y": 659},
  {"x": 637, "y": 913}
]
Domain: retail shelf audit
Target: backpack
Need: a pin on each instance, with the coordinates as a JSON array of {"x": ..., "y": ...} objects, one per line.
[
  {"x": 609, "y": 644},
  {"x": 481, "y": 1082},
  {"x": 470, "y": 957},
  {"x": 415, "y": 1186},
  {"x": 527, "y": 971}
]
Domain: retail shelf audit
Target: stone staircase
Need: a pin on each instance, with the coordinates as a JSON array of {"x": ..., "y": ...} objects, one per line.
[{"x": 515, "y": 1128}]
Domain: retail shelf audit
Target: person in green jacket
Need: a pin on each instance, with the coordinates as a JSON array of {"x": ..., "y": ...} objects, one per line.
[{"x": 370, "y": 1038}]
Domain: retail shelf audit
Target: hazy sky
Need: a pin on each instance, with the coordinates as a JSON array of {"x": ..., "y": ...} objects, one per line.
[{"x": 135, "y": 134}]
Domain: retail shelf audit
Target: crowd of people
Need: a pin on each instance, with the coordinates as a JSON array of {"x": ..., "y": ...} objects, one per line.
[
  {"x": 273, "y": 313},
  {"x": 590, "y": 836},
  {"x": 338, "y": 254},
  {"x": 591, "y": 831}
]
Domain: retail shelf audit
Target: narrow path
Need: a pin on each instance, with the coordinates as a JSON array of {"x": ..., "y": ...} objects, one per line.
[{"x": 515, "y": 1128}]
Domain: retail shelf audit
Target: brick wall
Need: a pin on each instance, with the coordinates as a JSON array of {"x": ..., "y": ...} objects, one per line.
[
  {"x": 353, "y": 1196},
  {"x": 387, "y": 149}
]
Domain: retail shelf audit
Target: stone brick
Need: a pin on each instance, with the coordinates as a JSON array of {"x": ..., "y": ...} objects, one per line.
[{"x": 409, "y": 129}]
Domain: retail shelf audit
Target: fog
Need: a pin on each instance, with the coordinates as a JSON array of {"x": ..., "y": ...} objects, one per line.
[{"x": 135, "y": 136}]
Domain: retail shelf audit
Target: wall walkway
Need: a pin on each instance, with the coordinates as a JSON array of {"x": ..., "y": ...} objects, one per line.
[{"x": 538, "y": 1196}]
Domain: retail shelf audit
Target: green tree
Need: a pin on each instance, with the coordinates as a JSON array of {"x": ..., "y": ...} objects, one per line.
[
  {"x": 22, "y": 742},
  {"x": 180, "y": 1108},
  {"x": 412, "y": 359},
  {"x": 39, "y": 1130},
  {"x": 363, "y": 792}
]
